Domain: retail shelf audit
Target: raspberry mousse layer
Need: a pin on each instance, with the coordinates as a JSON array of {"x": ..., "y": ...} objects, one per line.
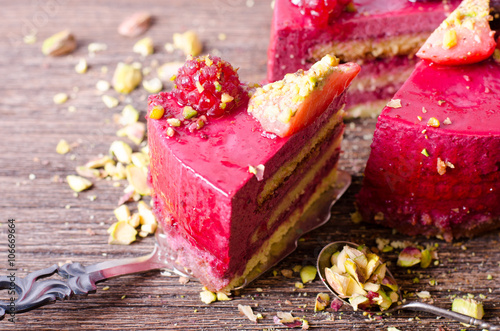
[
  {"x": 434, "y": 167},
  {"x": 227, "y": 193},
  {"x": 380, "y": 35}
]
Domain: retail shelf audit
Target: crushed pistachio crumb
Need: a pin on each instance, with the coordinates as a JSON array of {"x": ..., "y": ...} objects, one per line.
[
  {"x": 60, "y": 98},
  {"x": 394, "y": 103},
  {"x": 82, "y": 66},
  {"x": 434, "y": 122},
  {"x": 424, "y": 152},
  {"x": 77, "y": 183},
  {"x": 110, "y": 101},
  {"x": 63, "y": 147},
  {"x": 157, "y": 112}
]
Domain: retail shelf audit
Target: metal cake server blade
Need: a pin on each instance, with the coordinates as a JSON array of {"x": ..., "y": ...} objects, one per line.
[{"x": 34, "y": 290}]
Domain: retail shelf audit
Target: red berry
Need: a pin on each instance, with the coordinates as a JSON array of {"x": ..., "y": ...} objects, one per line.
[
  {"x": 321, "y": 11},
  {"x": 209, "y": 85}
]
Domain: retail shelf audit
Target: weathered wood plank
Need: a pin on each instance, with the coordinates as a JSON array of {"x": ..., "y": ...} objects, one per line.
[{"x": 49, "y": 232}]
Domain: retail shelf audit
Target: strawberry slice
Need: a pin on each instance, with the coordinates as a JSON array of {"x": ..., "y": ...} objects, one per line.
[
  {"x": 289, "y": 105},
  {"x": 465, "y": 37}
]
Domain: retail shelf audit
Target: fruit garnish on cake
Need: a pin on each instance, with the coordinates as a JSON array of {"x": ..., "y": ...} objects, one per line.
[
  {"x": 464, "y": 37},
  {"x": 288, "y": 105},
  {"x": 382, "y": 36},
  {"x": 221, "y": 218},
  {"x": 435, "y": 156},
  {"x": 321, "y": 11}
]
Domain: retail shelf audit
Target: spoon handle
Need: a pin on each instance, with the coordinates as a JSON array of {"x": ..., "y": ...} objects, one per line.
[
  {"x": 34, "y": 291},
  {"x": 419, "y": 306}
]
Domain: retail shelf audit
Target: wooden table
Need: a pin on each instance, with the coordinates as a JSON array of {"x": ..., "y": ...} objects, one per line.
[{"x": 54, "y": 226}]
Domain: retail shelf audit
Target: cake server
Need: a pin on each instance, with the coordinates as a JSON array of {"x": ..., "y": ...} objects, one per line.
[
  {"x": 324, "y": 262},
  {"x": 34, "y": 291}
]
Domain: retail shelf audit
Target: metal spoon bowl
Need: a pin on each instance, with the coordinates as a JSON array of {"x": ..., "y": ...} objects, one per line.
[{"x": 324, "y": 261}]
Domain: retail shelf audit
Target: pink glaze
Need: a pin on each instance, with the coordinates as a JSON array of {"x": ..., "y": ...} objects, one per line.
[
  {"x": 404, "y": 185},
  {"x": 293, "y": 34},
  {"x": 204, "y": 193}
]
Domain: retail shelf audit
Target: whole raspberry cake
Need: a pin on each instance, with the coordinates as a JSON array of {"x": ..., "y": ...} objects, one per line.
[
  {"x": 380, "y": 35},
  {"x": 434, "y": 167},
  {"x": 234, "y": 167}
]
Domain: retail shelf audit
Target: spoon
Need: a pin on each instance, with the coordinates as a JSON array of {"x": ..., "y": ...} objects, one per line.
[{"x": 324, "y": 261}]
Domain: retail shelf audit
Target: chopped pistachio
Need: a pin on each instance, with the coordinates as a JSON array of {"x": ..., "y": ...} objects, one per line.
[
  {"x": 424, "y": 152},
  {"x": 147, "y": 216},
  {"x": 87, "y": 172},
  {"x": 121, "y": 150},
  {"x": 208, "y": 297},
  {"x": 144, "y": 46},
  {"x": 174, "y": 122},
  {"x": 188, "y": 112},
  {"x": 110, "y": 101},
  {"x": 61, "y": 43},
  {"x": 62, "y": 147},
  {"x": 226, "y": 97},
  {"x": 394, "y": 103},
  {"x": 129, "y": 115},
  {"x": 149, "y": 228},
  {"x": 248, "y": 312},
  {"x": 188, "y": 42},
  {"x": 82, "y": 66},
  {"x": 96, "y": 47},
  {"x": 135, "y": 132},
  {"x": 434, "y": 122},
  {"x": 299, "y": 285},
  {"x": 157, "y": 112},
  {"x": 102, "y": 85},
  {"x": 170, "y": 132},
  {"x": 60, "y": 98},
  {"x": 469, "y": 307},
  {"x": 140, "y": 160},
  {"x": 122, "y": 213},
  {"x": 449, "y": 39},
  {"x": 322, "y": 301},
  {"x": 126, "y": 78},
  {"x": 308, "y": 273},
  {"x": 137, "y": 177},
  {"x": 77, "y": 183},
  {"x": 153, "y": 85},
  {"x": 99, "y": 162},
  {"x": 121, "y": 233},
  {"x": 447, "y": 121},
  {"x": 134, "y": 220},
  {"x": 409, "y": 256},
  {"x": 221, "y": 296},
  {"x": 489, "y": 277}
]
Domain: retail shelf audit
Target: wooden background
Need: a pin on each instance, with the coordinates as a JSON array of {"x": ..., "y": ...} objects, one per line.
[{"x": 48, "y": 231}]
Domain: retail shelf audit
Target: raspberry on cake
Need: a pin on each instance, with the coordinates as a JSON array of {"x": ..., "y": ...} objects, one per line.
[
  {"x": 434, "y": 167},
  {"x": 380, "y": 35},
  {"x": 229, "y": 194}
]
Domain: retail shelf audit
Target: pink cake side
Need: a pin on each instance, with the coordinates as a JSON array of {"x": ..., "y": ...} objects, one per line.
[
  {"x": 383, "y": 36},
  {"x": 205, "y": 196},
  {"x": 445, "y": 180}
]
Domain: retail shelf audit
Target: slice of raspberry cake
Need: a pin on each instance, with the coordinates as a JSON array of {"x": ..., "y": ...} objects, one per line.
[
  {"x": 434, "y": 167},
  {"x": 233, "y": 168},
  {"x": 380, "y": 35}
]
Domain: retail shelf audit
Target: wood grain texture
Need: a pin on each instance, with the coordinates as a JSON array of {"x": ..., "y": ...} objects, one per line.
[{"x": 52, "y": 223}]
